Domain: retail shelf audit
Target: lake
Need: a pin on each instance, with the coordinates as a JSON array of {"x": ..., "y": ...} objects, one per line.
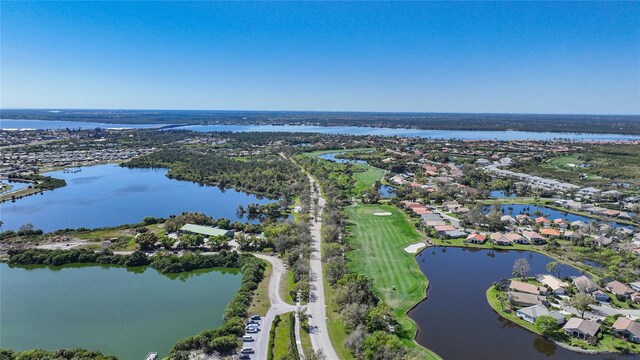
[
  {"x": 127, "y": 312},
  {"x": 15, "y": 185},
  {"x": 456, "y": 320},
  {"x": 59, "y": 124},
  {"x": 434, "y": 134},
  {"x": 332, "y": 157},
  {"x": 549, "y": 213},
  {"x": 110, "y": 195}
]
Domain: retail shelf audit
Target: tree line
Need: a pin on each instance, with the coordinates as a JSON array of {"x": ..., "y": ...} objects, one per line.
[{"x": 271, "y": 175}]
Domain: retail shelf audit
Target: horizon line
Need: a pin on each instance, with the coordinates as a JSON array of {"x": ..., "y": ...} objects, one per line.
[{"x": 324, "y": 111}]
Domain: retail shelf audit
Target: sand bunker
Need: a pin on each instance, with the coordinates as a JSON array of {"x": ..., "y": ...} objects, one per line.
[
  {"x": 414, "y": 248},
  {"x": 382, "y": 213}
]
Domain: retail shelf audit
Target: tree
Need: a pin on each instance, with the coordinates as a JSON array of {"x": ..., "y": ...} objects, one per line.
[
  {"x": 581, "y": 302},
  {"x": 552, "y": 267},
  {"x": 521, "y": 268},
  {"x": 147, "y": 239},
  {"x": 547, "y": 325}
]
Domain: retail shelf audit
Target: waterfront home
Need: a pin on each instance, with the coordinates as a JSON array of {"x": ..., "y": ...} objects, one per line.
[
  {"x": 532, "y": 313},
  {"x": 523, "y": 219},
  {"x": 542, "y": 221},
  {"x": 517, "y": 238},
  {"x": 627, "y": 329},
  {"x": 600, "y": 295},
  {"x": 581, "y": 329},
  {"x": 585, "y": 284},
  {"x": 455, "y": 234},
  {"x": 611, "y": 213},
  {"x": 561, "y": 223},
  {"x": 534, "y": 237},
  {"x": 557, "y": 286},
  {"x": 508, "y": 218},
  {"x": 619, "y": 289},
  {"x": 579, "y": 224},
  {"x": 441, "y": 230},
  {"x": 476, "y": 238},
  {"x": 527, "y": 288},
  {"x": 523, "y": 299},
  {"x": 500, "y": 239},
  {"x": 552, "y": 233}
]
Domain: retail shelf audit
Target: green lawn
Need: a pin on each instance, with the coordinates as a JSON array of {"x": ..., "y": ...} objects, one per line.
[
  {"x": 378, "y": 243},
  {"x": 286, "y": 287},
  {"x": 282, "y": 346}
]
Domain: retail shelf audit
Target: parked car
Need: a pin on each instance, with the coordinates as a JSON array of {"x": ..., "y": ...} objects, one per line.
[
  {"x": 247, "y": 338},
  {"x": 255, "y": 317},
  {"x": 247, "y": 350},
  {"x": 252, "y": 330}
]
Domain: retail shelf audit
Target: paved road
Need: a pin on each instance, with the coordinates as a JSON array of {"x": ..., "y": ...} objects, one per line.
[
  {"x": 317, "y": 309},
  {"x": 278, "y": 306}
]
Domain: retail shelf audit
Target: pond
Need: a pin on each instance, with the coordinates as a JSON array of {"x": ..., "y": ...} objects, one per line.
[
  {"x": 456, "y": 320},
  {"x": 6, "y": 124},
  {"x": 126, "y": 312},
  {"x": 499, "y": 194},
  {"x": 332, "y": 157},
  {"x": 387, "y": 191},
  {"x": 549, "y": 213},
  {"x": 110, "y": 195},
  {"x": 434, "y": 134}
]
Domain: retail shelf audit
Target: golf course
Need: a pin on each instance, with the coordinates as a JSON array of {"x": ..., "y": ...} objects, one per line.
[{"x": 378, "y": 243}]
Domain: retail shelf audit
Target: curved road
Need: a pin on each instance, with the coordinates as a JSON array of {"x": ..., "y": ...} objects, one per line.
[
  {"x": 317, "y": 309},
  {"x": 278, "y": 306}
]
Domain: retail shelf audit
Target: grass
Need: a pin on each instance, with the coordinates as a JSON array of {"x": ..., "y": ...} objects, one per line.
[
  {"x": 305, "y": 340},
  {"x": 261, "y": 303},
  {"x": 286, "y": 287},
  {"x": 378, "y": 243},
  {"x": 282, "y": 345},
  {"x": 367, "y": 178}
]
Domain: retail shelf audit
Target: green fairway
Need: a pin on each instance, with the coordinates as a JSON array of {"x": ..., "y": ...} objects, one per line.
[
  {"x": 378, "y": 243},
  {"x": 367, "y": 178}
]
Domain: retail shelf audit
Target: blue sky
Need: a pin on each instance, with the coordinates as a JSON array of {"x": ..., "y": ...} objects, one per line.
[{"x": 506, "y": 57}]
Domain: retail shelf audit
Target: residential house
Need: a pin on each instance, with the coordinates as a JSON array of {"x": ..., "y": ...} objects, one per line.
[
  {"x": 532, "y": 313},
  {"x": 561, "y": 223},
  {"x": 534, "y": 237},
  {"x": 516, "y": 238},
  {"x": 542, "y": 221},
  {"x": 524, "y": 287},
  {"x": 523, "y": 299},
  {"x": 585, "y": 284},
  {"x": 557, "y": 286},
  {"x": 455, "y": 234},
  {"x": 581, "y": 329},
  {"x": 500, "y": 239},
  {"x": 579, "y": 224},
  {"x": 602, "y": 241},
  {"x": 627, "y": 329},
  {"x": 619, "y": 289},
  {"x": 523, "y": 219},
  {"x": 508, "y": 218},
  {"x": 635, "y": 285},
  {"x": 441, "y": 230},
  {"x": 552, "y": 233},
  {"x": 476, "y": 238}
]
